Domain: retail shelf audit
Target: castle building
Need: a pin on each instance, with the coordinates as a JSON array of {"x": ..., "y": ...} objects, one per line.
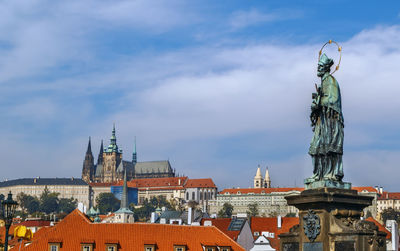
[{"x": 110, "y": 166}]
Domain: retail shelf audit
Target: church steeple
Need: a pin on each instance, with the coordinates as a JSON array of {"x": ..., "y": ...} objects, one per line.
[
  {"x": 258, "y": 180},
  {"x": 100, "y": 157},
  {"x": 134, "y": 154},
  {"x": 112, "y": 147},
  {"x": 267, "y": 180},
  {"x": 124, "y": 196},
  {"x": 88, "y": 164},
  {"x": 89, "y": 147},
  {"x": 124, "y": 214}
]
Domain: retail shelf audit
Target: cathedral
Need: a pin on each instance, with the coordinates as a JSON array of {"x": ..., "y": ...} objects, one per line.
[
  {"x": 110, "y": 166},
  {"x": 259, "y": 181}
]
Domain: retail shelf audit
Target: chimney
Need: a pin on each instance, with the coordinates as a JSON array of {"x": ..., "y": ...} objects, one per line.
[
  {"x": 377, "y": 189},
  {"x": 381, "y": 190},
  {"x": 190, "y": 216},
  {"x": 179, "y": 181},
  {"x": 279, "y": 222}
]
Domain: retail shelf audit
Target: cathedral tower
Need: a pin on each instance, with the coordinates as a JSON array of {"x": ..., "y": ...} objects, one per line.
[
  {"x": 88, "y": 165},
  {"x": 258, "y": 180},
  {"x": 112, "y": 157},
  {"x": 267, "y": 180}
]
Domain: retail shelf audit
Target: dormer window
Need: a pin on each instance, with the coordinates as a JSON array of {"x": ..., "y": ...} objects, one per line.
[
  {"x": 111, "y": 247},
  {"x": 86, "y": 247},
  {"x": 179, "y": 248},
  {"x": 225, "y": 248},
  {"x": 54, "y": 246},
  {"x": 149, "y": 247}
]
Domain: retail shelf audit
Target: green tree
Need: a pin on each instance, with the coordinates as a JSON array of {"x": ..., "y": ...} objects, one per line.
[
  {"x": 226, "y": 211},
  {"x": 253, "y": 209},
  {"x": 67, "y": 205},
  {"x": 48, "y": 201},
  {"x": 106, "y": 202},
  {"x": 290, "y": 215},
  {"x": 28, "y": 203}
]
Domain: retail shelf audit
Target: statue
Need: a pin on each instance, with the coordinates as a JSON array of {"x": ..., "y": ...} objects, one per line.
[{"x": 326, "y": 148}]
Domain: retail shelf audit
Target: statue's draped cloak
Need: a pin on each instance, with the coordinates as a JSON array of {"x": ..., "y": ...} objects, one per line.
[{"x": 326, "y": 146}]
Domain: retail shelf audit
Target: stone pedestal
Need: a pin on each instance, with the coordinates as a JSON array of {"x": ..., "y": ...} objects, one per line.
[{"x": 330, "y": 220}]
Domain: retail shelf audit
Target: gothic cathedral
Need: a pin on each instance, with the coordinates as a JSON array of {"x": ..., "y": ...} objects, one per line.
[{"x": 110, "y": 166}]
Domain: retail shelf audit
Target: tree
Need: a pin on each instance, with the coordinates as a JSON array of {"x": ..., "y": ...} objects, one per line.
[
  {"x": 106, "y": 202},
  {"x": 290, "y": 215},
  {"x": 226, "y": 211},
  {"x": 48, "y": 201},
  {"x": 67, "y": 205},
  {"x": 28, "y": 203},
  {"x": 253, "y": 209}
]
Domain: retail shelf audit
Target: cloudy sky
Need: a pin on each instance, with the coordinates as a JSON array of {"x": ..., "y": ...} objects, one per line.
[{"x": 216, "y": 87}]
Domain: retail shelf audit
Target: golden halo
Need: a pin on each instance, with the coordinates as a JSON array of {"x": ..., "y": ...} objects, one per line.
[{"x": 339, "y": 50}]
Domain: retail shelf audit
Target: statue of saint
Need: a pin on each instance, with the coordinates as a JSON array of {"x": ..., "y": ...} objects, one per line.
[{"x": 326, "y": 148}]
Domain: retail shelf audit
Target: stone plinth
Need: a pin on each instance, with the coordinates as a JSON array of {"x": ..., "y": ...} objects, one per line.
[{"x": 330, "y": 220}]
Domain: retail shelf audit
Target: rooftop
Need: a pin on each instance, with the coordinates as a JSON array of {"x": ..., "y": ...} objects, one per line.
[
  {"x": 76, "y": 228},
  {"x": 44, "y": 182},
  {"x": 204, "y": 183}
]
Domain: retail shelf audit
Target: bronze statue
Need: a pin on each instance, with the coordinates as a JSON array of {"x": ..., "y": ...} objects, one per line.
[{"x": 326, "y": 148}]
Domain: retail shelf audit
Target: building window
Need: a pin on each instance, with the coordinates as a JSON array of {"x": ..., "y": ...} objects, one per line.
[
  {"x": 54, "y": 247},
  {"x": 111, "y": 248},
  {"x": 210, "y": 249},
  {"x": 150, "y": 247},
  {"x": 179, "y": 248},
  {"x": 193, "y": 196},
  {"x": 225, "y": 248},
  {"x": 187, "y": 196},
  {"x": 86, "y": 247},
  {"x": 201, "y": 196}
]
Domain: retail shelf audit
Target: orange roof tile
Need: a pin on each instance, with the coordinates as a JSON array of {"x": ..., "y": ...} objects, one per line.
[
  {"x": 206, "y": 183},
  {"x": 368, "y": 189},
  {"x": 76, "y": 228},
  {"x": 270, "y": 224},
  {"x": 157, "y": 182}
]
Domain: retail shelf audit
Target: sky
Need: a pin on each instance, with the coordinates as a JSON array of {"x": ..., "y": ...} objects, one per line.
[{"x": 215, "y": 87}]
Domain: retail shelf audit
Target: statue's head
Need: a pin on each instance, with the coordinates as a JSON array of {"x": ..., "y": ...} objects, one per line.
[{"x": 324, "y": 65}]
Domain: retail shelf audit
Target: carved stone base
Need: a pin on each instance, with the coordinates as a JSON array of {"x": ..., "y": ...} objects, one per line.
[
  {"x": 330, "y": 220},
  {"x": 311, "y": 184}
]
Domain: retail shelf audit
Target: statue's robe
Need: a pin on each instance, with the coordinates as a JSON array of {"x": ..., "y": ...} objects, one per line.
[{"x": 326, "y": 147}]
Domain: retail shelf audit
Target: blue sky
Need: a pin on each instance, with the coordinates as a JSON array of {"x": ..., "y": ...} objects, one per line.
[{"x": 216, "y": 87}]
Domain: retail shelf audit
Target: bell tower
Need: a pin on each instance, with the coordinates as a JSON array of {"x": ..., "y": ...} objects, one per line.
[
  {"x": 258, "y": 180},
  {"x": 112, "y": 157}
]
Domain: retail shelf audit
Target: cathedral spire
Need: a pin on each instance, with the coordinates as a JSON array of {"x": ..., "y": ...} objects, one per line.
[
  {"x": 100, "y": 158},
  {"x": 89, "y": 147},
  {"x": 258, "y": 180},
  {"x": 124, "y": 196},
  {"x": 112, "y": 147},
  {"x": 267, "y": 180},
  {"x": 134, "y": 154}
]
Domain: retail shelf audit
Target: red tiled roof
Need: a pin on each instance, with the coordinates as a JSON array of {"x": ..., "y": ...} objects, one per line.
[
  {"x": 76, "y": 228},
  {"x": 381, "y": 227},
  {"x": 261, "y": 190},
  {"x": 157, "y": 182},
  {"x": 368, "y": 189},
  {"x": 270, "y": 224},
  {"x": 222, "y": 224},
  {"x": 206, "y": 183}
]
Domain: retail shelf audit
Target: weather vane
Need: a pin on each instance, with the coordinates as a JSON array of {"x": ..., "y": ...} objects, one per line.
[{"x": 339, "y": 50}]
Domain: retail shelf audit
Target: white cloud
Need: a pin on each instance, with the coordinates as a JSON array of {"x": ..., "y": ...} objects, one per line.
[{"x": 173, "y": 101}]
